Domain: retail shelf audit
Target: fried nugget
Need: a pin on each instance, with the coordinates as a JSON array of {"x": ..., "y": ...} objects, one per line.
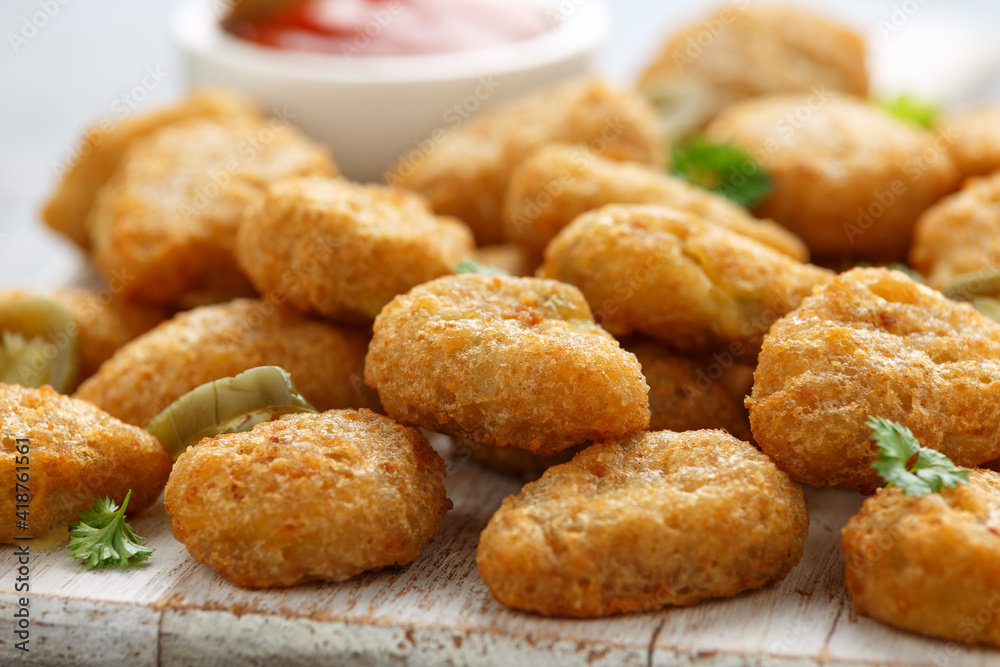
[
  {"x": 559, "y": 182},
  {"x": 74, "y": 453},
  {"x": 308, "y": 497},
  {"x": 929, "y": 564},
  {"x": 165, "y": 224},
  {"x": 848, "y": 179},
  {"x": 960, "y": 234},
  {"x": 103, "y": 322},
  {"x": 507, "y": 361},
  {"x": 103, "y": 146},
  {"x": 212, "y": 342},
  {"x": 343, "y": 250},
  {"x": 742, "y": 52},
  {"x": 685, "y": 394},
  {"x": 973, "y": 139},
  {"x": 873, "y": 343},
  {"x": 506, "y": 257},
  {"x": 644, "y": 522},
  {"x": 667, "y": 274},
  {"x": 465, "y": 171}
]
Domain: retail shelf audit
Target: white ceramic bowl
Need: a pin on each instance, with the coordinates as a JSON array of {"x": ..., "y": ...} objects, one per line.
[{"x": 372, "y": 109}]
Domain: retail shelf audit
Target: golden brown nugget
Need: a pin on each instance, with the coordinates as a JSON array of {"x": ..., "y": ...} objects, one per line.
[
  {"x": 308, "y": 497},
  {"x": 506, "y": 361},
  {"x": 690, "y": 393},
  {"x": 685, "y": 394},
  {"x": 103, "y": 322},
  {"x": 848, "y": 179},
  {"x": 103, "y": 146},
  {"x": 667, "y": 274},
  {"x": 644, "y": 522},
  {"x": 464, "y": 172},
  {"x": 212, "y": 342},
  {"x": 973, "y": 139},
  {"x": 343, "y": 250},
  {"x": 506, "y": 257},
  {"x": 960, "y": 234},
  {"x": 559, "y": 182},
  {"x": 76, "y": 453},
  {"x": 873, "y": 343},
  {"x": 166, "y": 221},
  {"x": 742, "y": 52},
  {"x": 929, "y": 564}
]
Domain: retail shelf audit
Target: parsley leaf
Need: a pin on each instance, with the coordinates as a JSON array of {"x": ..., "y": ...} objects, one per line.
[
  {"x": 897, "y": 445},
  {"x": 909, "y": 108},
  {"x": 721, "y": 168},
  {"x": 101, "y": 537},
  {"x": 472, "y": 266}
]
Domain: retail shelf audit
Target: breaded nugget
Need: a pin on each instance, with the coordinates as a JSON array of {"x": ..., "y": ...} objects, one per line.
[
  {"x": 464, "y": 172},
  {"x": 849, "y": 179},
  {"x": 506, "y": 257},
  {"x": 873, "y": 343},
  {"x": 559, "y": 182},
  {"x": 343, "y": 250},
  {"x": 691, "y": 393},
  {"x": 742, "y": 52},
  {"x": 104, "y": 144},
  {"x": 929, "y": 564},
  {"x": 212, "y": 342},
  {"x": 667, "y": 274},
  {"x": 75, "y": 453},
  {"x": 103, "y": 322},
  {"x": 973, "y": 139},
  {"x": 165, "y": 224},
  {"x": 308, "y": 497},
  {"x": 960, "y": 234},
  {"x": 685, "y": 394},
  {"x": 507, "y": 361},
  {"x": 640, "y": 523}
]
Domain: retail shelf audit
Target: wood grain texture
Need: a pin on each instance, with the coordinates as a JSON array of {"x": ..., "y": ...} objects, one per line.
[{"x": 175, "y": 611}]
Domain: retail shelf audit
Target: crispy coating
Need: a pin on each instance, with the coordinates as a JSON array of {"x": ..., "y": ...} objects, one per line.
[
  {"x": 103, "y": 146},
  {"x": 559, "y": 182},
  {"x": 212, "y": 342},
  {"x": 165, "y": 223},
  {"x": 742, "y": 52},
  {"x": 929, "y": 564},
  {"x": 667, "y": 274},
  {"x": 873, "y": 343},
  {"x": 973, "y": 138},
  {"x": 343, "y": 250},
  {"x": 960, "y": 234},
  {"x": 104, "y": 323},
  {"x": 507, "y": 361},
  {"x": 76, "y": 453},
  {"x": 640, "y": 523},
  {"x": 465, "y": 172},
  {"x": 308, "y": 497},
  {"x": 848, "y": 178}
]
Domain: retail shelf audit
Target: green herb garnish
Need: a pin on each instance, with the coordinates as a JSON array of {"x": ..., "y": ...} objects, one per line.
[
  {"x": 929, "y": 473},
  {"x": 101, "y": 537},
  {"x": 909, "y": 108},
  {"x": 472, "y": 266},
  {"x": 721, "y": 168}
]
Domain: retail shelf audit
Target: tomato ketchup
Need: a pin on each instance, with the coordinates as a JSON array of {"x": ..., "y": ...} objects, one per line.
[{"x": 395, "y": 27}]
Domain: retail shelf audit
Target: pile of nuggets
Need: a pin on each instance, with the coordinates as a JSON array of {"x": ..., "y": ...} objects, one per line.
[{"x": 666, "y": 366}]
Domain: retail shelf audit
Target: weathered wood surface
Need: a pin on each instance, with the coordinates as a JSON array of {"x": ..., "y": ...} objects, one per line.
[{"x": 175, "y": 611}]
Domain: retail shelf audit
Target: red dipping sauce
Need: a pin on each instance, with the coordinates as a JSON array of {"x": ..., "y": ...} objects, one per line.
[{"x": 396, "y": 27}]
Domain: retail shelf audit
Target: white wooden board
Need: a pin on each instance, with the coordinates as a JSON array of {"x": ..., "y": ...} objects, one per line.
[{"x": 175, "y": 611}]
